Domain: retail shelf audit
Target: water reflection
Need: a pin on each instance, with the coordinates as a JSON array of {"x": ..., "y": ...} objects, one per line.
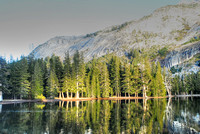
[
  {"x": 0, "y": 108},
  {"x": 130, "y": 116}
]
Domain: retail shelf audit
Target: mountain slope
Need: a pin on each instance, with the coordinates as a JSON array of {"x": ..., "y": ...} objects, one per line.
[{"x": 169, "y": 26}]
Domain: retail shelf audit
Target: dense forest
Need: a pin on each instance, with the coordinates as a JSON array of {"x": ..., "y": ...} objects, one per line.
[{"x": 108, "y": 76}]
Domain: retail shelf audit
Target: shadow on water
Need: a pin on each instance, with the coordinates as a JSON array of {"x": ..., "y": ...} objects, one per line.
[{"x": 106, "y": 116}]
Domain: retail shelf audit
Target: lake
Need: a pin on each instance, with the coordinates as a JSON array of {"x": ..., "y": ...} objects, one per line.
[{"x": 176, "y": 115}]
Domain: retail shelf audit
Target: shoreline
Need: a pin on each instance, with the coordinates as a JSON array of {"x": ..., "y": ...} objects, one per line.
[{"x": 89, "y": 99}]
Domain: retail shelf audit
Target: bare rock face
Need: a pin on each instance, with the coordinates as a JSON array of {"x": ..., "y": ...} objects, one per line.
[
  {"x": 181, "y": 55},
  {"x": 170, "y": 25}
]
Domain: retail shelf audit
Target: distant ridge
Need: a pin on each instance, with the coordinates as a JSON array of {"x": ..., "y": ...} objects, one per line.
[{"x": 170, "y": 26}]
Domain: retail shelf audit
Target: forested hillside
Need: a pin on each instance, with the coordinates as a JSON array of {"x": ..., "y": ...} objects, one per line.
[{"x": 108, "y": 76}]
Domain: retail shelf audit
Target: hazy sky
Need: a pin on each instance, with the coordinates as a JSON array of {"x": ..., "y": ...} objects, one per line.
[{"x": 26, "y": 22}]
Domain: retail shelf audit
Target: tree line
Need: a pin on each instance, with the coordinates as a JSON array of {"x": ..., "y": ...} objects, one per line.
[
  {"x": 186, "y": 84},
  {"x": 110, "y": 76}
]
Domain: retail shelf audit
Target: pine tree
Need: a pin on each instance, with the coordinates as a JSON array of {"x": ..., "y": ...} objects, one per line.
[
  {"x": 67, "y": 82},
  {"x": 37, "y": 81},
  {"x": 79, "y": 72},
  {"x": 59, "y": 74},
  {"x": 104, "y": 81},
  {"x": 14, "y": 79},
  {"x": 76, "y": 71},
  {"x": 82, "y": 72},
  {"x": 136, "y": 79},
  {"x": 127, "y": 83},
  {"x": 115, "y": 75},
  {"x": 87, "y": 84},
  {"x": 146, "y": 76},
  {"x": 67, "y": 85},
  {"x": 95, "y": 90},
  {"x": 159, "y": 81},
  {"x": 153, "y": 82},
  {"x": 24, "y": 84},
  {"x": 52, "y": 84},
  {"x": 98, "y": 94},
  {"x": 4, "y": 83}
]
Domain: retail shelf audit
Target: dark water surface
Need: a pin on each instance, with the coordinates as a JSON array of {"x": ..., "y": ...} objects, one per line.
[{"x": 175, "y": 115}]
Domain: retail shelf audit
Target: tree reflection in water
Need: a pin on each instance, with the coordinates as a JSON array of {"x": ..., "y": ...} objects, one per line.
[{"x": 120, "y": 116}]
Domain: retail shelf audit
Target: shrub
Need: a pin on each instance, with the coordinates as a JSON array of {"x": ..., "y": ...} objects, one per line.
[
  {"x": 41, "y": 97},
  {"x": 163, "y": 52}
]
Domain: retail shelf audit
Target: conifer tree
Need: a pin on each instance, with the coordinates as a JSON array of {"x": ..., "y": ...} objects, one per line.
[
  {"x": 82, "y": 72},
  {"x": 146, "y": 76},
  {"x": 95, "y": 90},
  {"x": 127, "y": 83},
  {"x": 23, "y": 75},
  {"x": 115, "y": 75},
  {"x": 59, "y": 74},
  {"x": 67, "y": 83},
  {"x": 52, "y": 84},
  {"x": 153, "y": 82},
  {"x": 136, "y": 79},
  {"x": 52, "y": 88},
  {"x": 104, "y": 81},
  {"x": 161, "y": 91},
  {"x": 14, "y": 79},
  {"x": 77, "y": 73},
  {"x": 37, "y": 81},
  {"x": 87, "y": 84},
  {"x": 4, "y": 83}
]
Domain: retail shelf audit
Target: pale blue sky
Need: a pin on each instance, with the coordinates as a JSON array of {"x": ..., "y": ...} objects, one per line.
[{"x": 26, "y": 22}]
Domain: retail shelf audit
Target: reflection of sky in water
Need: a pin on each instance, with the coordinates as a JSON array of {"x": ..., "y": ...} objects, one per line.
[
  {"x": 0, "y": 108},
  {"x": 197, "y": 118},
  {"x": 102, "y": 117}
]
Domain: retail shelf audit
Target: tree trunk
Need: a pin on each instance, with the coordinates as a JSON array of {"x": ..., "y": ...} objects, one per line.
[
  {"x": 129, "y": 95},
  {"x": 144, "y": 91},
  {"x": 169, "y": 92},
  {"x": 67, "y": 94},
  {"x": 125, "y": 94},
  {"x": 67, "y": 106},
  {"x": 71, "y": 95},
  {"x": 59, "y": 94},
  {"x": 77, "y": 94},
  {"x": 63, "y": 95}
]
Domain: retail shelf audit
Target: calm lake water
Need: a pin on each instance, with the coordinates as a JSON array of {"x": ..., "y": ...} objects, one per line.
[{"x": 102, "y": 117}]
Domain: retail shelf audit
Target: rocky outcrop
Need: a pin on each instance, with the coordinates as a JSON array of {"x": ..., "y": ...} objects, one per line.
[
  {"x": 170, "y": 25},
  {"x": 181, "y": 55}
]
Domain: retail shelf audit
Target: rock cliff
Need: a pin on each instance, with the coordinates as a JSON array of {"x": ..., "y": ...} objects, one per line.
[
  {"x": 167, "y": 26},
  {"x": 181, "y": 54}
]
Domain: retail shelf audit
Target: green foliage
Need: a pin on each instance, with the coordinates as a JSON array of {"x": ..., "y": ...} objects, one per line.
[
  {"x": 175, "y": 70},
  {"x": 115, "y": 75},
  {"x": 127, "y": 81},
  {"x": 104, "y": 77},
  {"x": 105, "y": 81},
  {"x": 120, "y": 27},
  {"x": 186, "y": 84},
  {"x": 4, "y": 72},
  {"x": 52, "y": 85},
  {"x": 194, "y": 39},
  {"x": 40, "y": 97},
  {"x": 161, "y": 91},
  {"x": 163, "y": 52},
  {"x": 37, "y": 81}
]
